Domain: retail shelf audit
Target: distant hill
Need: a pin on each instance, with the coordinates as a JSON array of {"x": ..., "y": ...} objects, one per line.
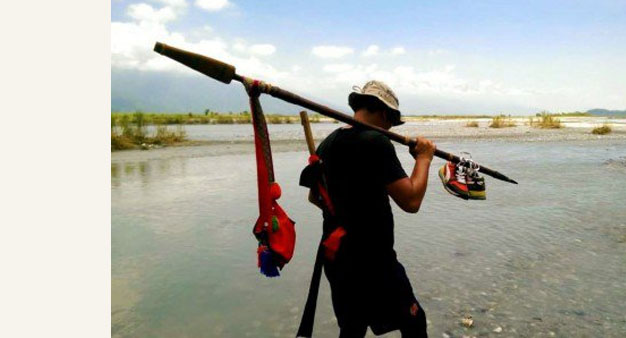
[{"x": 606, "y": 112}]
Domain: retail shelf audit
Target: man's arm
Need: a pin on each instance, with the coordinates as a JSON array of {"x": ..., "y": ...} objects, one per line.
[{"x": 408, "y": 192}]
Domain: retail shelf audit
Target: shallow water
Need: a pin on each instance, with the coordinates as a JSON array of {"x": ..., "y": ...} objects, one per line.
[{"x": 544, "y": 258}]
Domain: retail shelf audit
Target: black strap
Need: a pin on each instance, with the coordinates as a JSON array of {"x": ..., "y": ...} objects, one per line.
[{"x": 308, "y": 317}]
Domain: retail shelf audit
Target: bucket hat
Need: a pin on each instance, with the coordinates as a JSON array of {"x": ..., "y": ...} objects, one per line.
[{"x": 380, "y": 91}]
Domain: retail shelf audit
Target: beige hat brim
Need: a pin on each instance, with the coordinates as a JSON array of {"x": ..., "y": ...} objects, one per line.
[{"x": 355, "y": 97}]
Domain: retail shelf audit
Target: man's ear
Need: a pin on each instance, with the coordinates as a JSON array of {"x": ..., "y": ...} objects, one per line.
[{"x": 386, "y": 119}]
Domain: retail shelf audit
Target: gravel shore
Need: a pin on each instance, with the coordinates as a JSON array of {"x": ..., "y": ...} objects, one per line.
[
  {"x": 439, "y": 130},
  {"x": 574, "y": 128}
]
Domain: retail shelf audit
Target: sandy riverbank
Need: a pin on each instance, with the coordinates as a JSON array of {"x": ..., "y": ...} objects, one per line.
[{"x": 576, "y": 130}]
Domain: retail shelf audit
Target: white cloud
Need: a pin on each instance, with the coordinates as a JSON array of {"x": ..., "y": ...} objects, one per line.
[
  {"x": 262, "y": 49},
  {"x": 434, "y": 52},
  {"x": 132, "y": 43},
  {"x": 338, "y": 68},
  {"x": 405, "y": 79},
  {"x": 331, "y": 52},
  {"x": 240, "y": 46},
  {"x": 145, "y": 12},
  {"x": 212, "y": 5},
  {"x": 132, "y": 46},
  {"x": 371, "y": 50},
  {"x": 173, "y": 3},
  {"x": 398, "y": 51},
  {"x": 348, "y": 75}
]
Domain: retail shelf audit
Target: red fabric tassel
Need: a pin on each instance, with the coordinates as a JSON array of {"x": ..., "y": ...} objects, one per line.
[
  {"x": 314, "y": 159},
  {"x": 332, "y": 243}
]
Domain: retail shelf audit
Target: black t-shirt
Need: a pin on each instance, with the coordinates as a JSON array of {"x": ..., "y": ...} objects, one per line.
[{"x": 358, "y": 164}]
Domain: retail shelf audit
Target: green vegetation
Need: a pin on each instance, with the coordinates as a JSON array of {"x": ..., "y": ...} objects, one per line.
[
  {"x": 444, "y": 117},
  {"x": 502, "y": 121},
  {"x": 605, "y": 129},
  {"x": 571, "y": 114},
  {"x": 208, "y": 117},
  {"x": 129, "y": 132},
  {"x": 546, "y": 121},
  {"x": 472, "y": 124}
]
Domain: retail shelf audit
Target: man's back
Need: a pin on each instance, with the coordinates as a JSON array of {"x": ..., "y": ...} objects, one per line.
[
  {"x": 359, "y": 164},
  {"x": 369, "y": 287}
]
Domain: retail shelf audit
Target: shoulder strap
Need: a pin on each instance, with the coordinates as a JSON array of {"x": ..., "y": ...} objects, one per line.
[{"x": 308, "y": 316}]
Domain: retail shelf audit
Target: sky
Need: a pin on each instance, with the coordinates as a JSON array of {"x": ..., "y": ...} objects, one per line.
[{"x": 440, "y": 57}]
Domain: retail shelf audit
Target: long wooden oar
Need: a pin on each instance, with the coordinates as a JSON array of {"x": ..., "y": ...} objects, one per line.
[{"x": 225, "y": 73}]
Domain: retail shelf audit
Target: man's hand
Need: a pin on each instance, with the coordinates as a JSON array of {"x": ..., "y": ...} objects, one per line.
[
  {"x": 409, "y": 192},
  {"x": 424, "y": 149}
]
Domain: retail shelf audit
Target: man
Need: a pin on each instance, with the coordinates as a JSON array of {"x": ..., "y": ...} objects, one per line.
[{"x": 369, "y": 286}]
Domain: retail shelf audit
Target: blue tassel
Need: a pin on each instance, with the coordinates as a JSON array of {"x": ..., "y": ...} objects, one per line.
[{"x": 268, "y": 267}]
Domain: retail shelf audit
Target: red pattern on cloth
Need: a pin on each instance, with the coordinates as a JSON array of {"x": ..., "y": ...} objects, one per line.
[{"x": 333, "y": 241}]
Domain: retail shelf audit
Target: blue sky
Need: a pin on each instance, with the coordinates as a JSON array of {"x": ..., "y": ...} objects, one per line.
[{"x": 441, "y": 57}]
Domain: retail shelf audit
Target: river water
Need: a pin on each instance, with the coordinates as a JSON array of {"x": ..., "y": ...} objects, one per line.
[{"x": 544, "y": 258}]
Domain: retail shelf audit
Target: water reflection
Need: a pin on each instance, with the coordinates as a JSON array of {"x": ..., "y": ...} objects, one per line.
[
  {"x": 115, "y": 170},
  {"x": 146, "y": 171}
]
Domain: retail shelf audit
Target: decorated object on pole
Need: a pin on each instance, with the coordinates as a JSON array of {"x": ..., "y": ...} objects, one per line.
[{"x": 274, "y": 230}]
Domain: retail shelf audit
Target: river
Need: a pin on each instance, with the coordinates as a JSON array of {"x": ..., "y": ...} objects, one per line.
[{"x": 544, "y": 258}]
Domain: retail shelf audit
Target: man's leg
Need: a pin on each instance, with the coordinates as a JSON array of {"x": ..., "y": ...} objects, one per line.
[
  {"x": 346, "y": 304},
  {"x": 352, "y": 330},
  {"x": 413, "y": 319},
  {"x": 414, "y": 325}
]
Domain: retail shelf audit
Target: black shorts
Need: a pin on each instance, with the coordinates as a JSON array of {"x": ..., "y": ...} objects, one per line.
[{"x": 378, "y": 295}]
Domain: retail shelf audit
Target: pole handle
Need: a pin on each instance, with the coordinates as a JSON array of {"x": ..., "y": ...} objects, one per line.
[
  {"x": 308, "y": 135},
  {"x": 210, "y": 67}
]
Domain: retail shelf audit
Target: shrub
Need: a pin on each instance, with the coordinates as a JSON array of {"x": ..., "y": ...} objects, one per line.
[
  {"x": 139, "y": 132},
  {"x": 120, "y": 142},
  {"x": 501, "y": 121},
  {"x": 224, "y": 119},
  {"x": 165, "y": 136},
  {"x": 604, "y": 129},
  {"x": 135, "y": 122},
  {"x": 273, "y": 119},
  {"x": 245, "y": 119},
  {"x": 472, "y": 124},
  {"x": 546, "y": 121},
  {"x": 133, "y": 136}
]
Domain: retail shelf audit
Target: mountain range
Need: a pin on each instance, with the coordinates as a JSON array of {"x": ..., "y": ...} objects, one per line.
[{"x": 606, "y": 112}]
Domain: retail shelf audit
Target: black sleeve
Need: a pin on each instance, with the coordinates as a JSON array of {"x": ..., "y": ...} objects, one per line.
[
  {"x": 390, "y": 167},
  {"x": 312, "y": 173}
]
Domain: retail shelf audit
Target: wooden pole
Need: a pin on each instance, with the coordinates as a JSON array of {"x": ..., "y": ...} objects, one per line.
[
  {"x": 225, "y": 73},
  {"x": 308, "y": 135}
]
